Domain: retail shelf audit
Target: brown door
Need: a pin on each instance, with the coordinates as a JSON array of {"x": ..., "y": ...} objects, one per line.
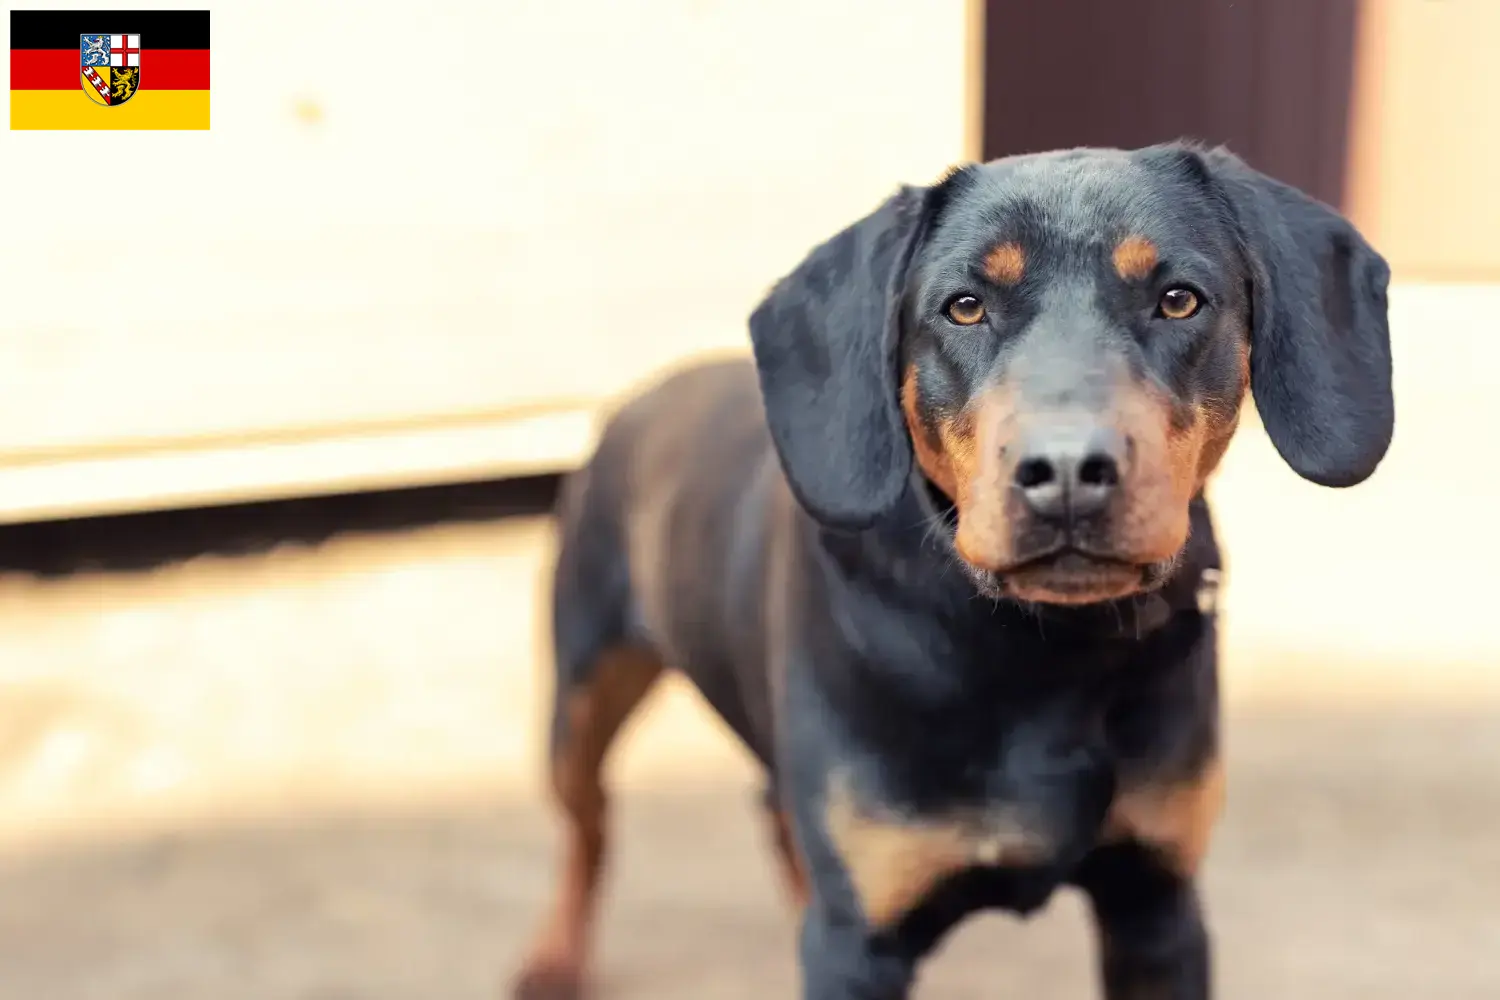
[
  {"x": 1270, "y": 78},
  {"x": 1385, "y": 108}
]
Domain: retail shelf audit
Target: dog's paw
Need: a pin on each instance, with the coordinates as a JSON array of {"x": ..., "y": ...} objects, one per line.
[{"x": 548, "y": 980}]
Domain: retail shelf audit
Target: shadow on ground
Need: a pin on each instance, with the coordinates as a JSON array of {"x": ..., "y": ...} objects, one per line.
[{"x": 1359, "y": 860}]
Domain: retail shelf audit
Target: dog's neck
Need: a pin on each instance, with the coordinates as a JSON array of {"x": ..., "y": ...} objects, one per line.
[{"x": 909, "y": 558}]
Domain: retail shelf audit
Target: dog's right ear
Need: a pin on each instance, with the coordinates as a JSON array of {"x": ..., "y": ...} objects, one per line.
[
  {"x": 1320, "y": 342},
  {"x": 825, "y": 343}
]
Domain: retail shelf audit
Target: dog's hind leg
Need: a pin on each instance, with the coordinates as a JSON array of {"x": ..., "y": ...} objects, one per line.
[
  {"x": 793, "y": 873},
  {"x": 589, "y": 715},
  {"x": 602, "y": 676}
]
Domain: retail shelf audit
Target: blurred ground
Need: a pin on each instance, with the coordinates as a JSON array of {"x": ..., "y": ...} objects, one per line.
[{"x": 310, "y": 774}]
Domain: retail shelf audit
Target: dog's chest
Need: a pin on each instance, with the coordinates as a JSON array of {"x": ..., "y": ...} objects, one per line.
[{"x": 1019, "y": 804}]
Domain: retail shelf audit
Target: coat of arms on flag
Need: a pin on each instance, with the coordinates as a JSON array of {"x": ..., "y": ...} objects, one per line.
[{"x": 111, "y": 67}]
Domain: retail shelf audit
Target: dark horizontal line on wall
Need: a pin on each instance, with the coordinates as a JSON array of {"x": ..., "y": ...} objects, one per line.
[{"x": 144, "y": 541}]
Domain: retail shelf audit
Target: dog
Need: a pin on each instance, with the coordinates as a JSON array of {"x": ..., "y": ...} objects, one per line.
[{"x": 940, "y": 556}]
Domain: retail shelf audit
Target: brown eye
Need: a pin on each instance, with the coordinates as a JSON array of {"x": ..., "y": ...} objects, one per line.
[
  {"x": 1178, "y": 303},
  {"x": 965, "y": 310}
]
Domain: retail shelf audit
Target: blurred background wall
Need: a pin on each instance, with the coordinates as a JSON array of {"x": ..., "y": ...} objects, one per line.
[
  {"x": 439, "y": 270},
  {"x": 440, "y": 274}
]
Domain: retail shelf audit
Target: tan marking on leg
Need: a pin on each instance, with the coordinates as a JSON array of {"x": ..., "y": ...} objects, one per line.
[
  {"x": 894, "y": 863},
  {"x": 1006, "y": 264},
  {"x": 793, "y": 871},
  {"x": 1176, "y": 818},
  {"x": 1135, "y": 258},
  {"x": 594, "y": 714}
]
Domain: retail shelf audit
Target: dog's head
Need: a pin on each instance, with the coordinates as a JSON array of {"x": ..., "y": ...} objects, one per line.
[{"x": 1059, "y": 346}]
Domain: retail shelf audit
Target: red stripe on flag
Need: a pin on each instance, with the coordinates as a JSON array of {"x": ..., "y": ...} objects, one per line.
[
  {"x": 59, "y": 69},
  {"x": 43, "y": 69}
]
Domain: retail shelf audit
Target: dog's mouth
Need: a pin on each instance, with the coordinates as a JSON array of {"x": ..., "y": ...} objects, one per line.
[
  {"x": 1067, "y": 576},
  {"x": 1070, "y": 576},
  {"x": 1064, "y": 573}
]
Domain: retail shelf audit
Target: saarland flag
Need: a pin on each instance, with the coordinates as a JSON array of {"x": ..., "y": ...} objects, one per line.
[{"x": 109, "y": 69}]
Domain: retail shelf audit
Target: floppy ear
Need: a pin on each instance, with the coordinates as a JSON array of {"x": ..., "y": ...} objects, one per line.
[
  {"x": 825, "y": 343},
  {"x": 1320, "y": 349}
]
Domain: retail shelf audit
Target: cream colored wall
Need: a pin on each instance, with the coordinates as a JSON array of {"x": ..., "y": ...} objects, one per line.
[
  {"x": 424, "y": 220},
  {"x": 1426, "y": 136}
]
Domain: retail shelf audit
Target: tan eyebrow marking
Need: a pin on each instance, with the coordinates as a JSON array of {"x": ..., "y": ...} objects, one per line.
[
  {"x": 1006, "y": 264},
  {"x": 1135, "y": 258}
]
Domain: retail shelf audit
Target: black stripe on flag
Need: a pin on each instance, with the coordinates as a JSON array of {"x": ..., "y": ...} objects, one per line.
[{"x": 59, "y": 29}]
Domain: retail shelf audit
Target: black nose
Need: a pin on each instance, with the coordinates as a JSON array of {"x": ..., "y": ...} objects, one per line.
[{"x": 1067, "y": 473}]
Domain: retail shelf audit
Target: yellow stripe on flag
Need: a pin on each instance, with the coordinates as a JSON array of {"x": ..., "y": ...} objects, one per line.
[{"x": 72, "y": 109}]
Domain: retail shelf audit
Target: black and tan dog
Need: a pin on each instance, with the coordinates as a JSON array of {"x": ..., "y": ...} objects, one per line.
[{"x": 942, "y": 566}]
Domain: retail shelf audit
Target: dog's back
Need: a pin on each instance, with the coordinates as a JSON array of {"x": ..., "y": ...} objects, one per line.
[{"x": 663, "y": 543}]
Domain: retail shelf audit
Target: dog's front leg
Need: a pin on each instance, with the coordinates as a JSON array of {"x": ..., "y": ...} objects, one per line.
[
  {"x": 843, "y": 957},
  {"x": 842, "y": 961},
  {"x": 846, "y": 953},
  {"x": 1152, "y": 940}
]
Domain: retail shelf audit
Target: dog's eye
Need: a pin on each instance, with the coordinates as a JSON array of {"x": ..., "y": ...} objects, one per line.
[
  {"x": 965, "y": 310},
  {"x": 1178, "y": 303}
]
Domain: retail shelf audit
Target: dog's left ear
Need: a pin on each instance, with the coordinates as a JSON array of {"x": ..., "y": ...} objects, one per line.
[
  {"x": 1320, "y": 349},
  {"x": 825, "y": 342}
]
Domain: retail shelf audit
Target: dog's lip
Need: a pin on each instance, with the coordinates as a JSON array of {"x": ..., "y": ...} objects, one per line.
[
  {"x": 1064, "y": 570},
  {"x": 1071, "y": 576},
  {"x": 1058, "y": 557}
]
